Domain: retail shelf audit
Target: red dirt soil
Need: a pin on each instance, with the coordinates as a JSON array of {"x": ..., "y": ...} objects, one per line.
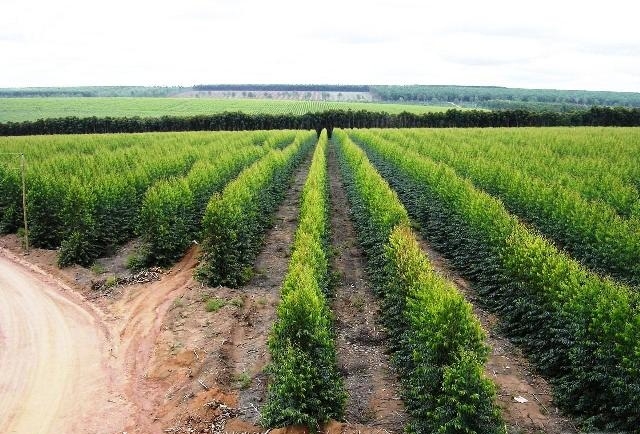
[
  {"x": 370, "y": 380},
  {"x": 54, "y": 359}
]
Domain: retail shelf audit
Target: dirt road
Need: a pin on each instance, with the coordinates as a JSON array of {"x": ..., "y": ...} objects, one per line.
[
  {"x": 68, "y": 365},
  {"x": 53, "y": 363}
]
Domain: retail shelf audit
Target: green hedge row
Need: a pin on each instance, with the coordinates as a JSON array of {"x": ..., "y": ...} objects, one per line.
[
  {"x": 10, "y": 196},
  {"x": 235, "y": 219},
  {"x": 85, "y": 193},
  {"x": 89, "y": 219},
  {"x": 172, "y": 210},
  {"x": 591, "y": 231},
  {"x": 330, "y": 119},
  {"x": 580, "y": 329},
  {"x": 599, "y": 163},
  {"x": 305, "y": 386},
  {"x": 163, "y": 204},
  {"x": 437, "y": 344}
]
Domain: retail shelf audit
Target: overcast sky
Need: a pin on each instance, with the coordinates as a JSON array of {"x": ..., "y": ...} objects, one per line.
[{"x": 535, "y": 44}]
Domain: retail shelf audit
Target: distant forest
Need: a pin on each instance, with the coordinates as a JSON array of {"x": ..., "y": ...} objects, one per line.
[
  {"x": 506, "y": 98},
  {"x": 283, "y": 87},
  {"x": 487, "y": 97},
  {"x": 91, "y": 91}
]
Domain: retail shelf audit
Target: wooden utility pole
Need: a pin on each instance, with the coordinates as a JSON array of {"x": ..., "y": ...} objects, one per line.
[{"x": 24, "y": 203}]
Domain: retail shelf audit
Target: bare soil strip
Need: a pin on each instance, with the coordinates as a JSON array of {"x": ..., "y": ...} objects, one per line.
[
  {"x": 138, "y": 322},
  {"x": 509, "y": 368},
  {"x": 211, "y": 364},
  {"x": 54, "y": 372},
  {"x": 374, "y": 395}
]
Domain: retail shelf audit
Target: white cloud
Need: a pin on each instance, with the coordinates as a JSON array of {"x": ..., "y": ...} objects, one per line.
[{"x": 550, "y": 44}]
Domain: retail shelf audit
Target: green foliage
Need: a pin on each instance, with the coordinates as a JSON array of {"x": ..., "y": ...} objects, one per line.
[
  {"x": 92, "y": 188},
  {"x": 330, "y": 119},
  {"x": 214, "y": 304},
  {"x": 136, "y": 261},
  {"x": 78, "y": 245},
  {"x": 10, "y": 196},
  {"x": 489, "y": 96},
  {"x": 165, "y": 220},
  {"x": 310, "y": 244},
  {"x": 111, "y": 281},
  {"x": 465, "y": 404},
  {"x": 373, "y": 203},
  {"x": 305, "y": 386},
  {"x": 237, "y": 302},
  {"x": 75, "y": 249},
  {"x": 172, "y": 211},
  {"x": 113, "y": 214},
  {"x": 98, "y": 268},
  {"x": 242, "y": 380},
  {"x": 545, "y": 194},
  {"x": 581, "y": 330},
  {"x": 22, "y": 109},
  {"x": 434, "y": 335},
  {"x": 236, "y": 219},
  {"x": 442, "y": 349},
  {"x": 45, "y": 198}
]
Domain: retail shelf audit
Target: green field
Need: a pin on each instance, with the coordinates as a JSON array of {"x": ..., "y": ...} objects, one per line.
[
  {"x": 28, "y": 109},
  {"x": 543, "y": 224}
]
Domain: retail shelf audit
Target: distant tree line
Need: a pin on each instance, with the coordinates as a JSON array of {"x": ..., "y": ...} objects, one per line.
[
  {"x": 491, "y": 97},
  {"x": 90, "y": 91},
  {"x": 235, "y": 121},
  {"x": 532, "y": 105},
  {"x": 283, "y": 87},
  {"x": 481, "y": 95}
]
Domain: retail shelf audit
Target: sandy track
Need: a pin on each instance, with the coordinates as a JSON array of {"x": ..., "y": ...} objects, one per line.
[
  {"x": 139, "y": 318},
  {"x": 54, "y": 372},
  {"x": 67, "y": 366}
]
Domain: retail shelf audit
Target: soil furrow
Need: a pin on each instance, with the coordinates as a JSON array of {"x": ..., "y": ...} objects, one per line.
[
  {"x": 218, "y": 356},
  {"x": 508, "y": 367},
  {"x": 258, "y": 315},
  {"x": 370, "y": 380}
]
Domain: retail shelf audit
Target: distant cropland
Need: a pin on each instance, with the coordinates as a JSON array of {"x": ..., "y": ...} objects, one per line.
[
  {"x": 29, "y": 109},
  {"x": 27, "y": 104}
]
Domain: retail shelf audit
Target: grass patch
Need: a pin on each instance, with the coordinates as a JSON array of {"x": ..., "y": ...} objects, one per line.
[
  {"x": 214, "y": 304},
  {"x": 136, "y": 261},
  {"x": 111, "y": 281},
  {"x": 98, "y": 269},
  {"x": 242, "y": 381},
  {"x": 357, "y": 302},
  {"x": 237, "y": 302}
]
